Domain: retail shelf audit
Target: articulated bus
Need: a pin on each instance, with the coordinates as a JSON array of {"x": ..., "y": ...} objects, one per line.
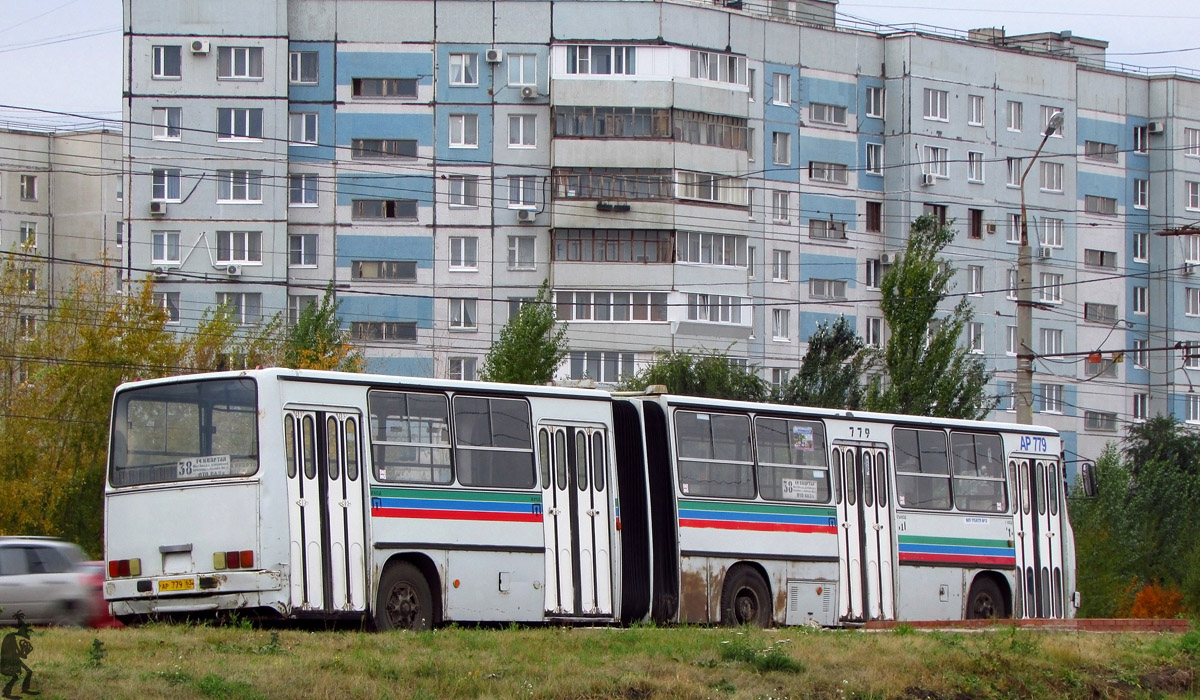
[{"x": 407, "y": 503}]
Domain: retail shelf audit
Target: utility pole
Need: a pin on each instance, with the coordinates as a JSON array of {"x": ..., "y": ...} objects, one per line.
[{"x": 1025, "y": 354}]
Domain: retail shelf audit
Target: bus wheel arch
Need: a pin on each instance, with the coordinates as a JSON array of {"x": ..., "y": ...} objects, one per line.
[
  {"x": 746, "y": 597},
  {"x": 989, "y": 597},
  {"x": 409, "y": 595}
]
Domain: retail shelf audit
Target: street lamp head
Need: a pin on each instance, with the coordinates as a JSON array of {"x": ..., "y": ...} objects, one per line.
[{"x": 1055, "y": 123}]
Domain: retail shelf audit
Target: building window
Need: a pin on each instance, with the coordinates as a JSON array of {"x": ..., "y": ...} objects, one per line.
[
  {"x": 826, "y": 289},
  {"x": 462, "y": 315},
  {"x": 522, "y": 192},
  {"x": 820, "y": 113},
  {"x": 297, "y": 303},
  {"x": 464, "y": 190},
  {"x": 826, "y": 229},
  {"x": 1141, "y": 406},
  {"x": 1191, "y": 355},
  {"x": 1014, "y": 172},
  {"x": 974, "y": 166},
  {"x": 166, "y": 123},
  {"x": 522, "y": 131},
  {"x": 1052, "y": 341},
  {"x": 718, "y": 67},
  {"x": 936, "y": 161},
  {"x": 245, "y": 308},
  {"x": 464, "y": 69},
  {"x": 396, "y": 270},
  {"x": 875, "y": 158},
  {"x": 874, "y": 217},
  {"x": 1100, "y": 258},
  {"x": 1141, "y": 355},
  {"x": 1141, "y": 300},
  {"x": 165, "y": 248},
  {"x": 779, "y": 265},
  {"x": 594, "y": 59},
  {"x": 1191, "y": 142},
  {"x": 239, "y": 123},
  {"x": 937, "y": 105},
  {"x": 975, "y": 337},
  {"x": 1098, "y": 150},
  {"x": 1192, "y": 301},
  {"x": 1010, "y": 341},
  {"x": 1016, "y": 115},
  {"x": 608, "y": 367},
  {"x": 239, "y": 186},
  {"x": 302, "y": 128},
  {"x": 872, "y": 273},
  {"x": 836, "y": 173},
  {"x": 1141, "y": 246},
  {"x": 1096, "y": 420},
  {"x": 781, "y": 148},
  {"x": 239, "y": 246},
  {"x": 1100, "y": 205},
  {"x": 650, "y": 123},
  {"x": 715, "y": 308},
  {"x": 29, "y": 188},
  {"x": 1191, "y": 248},
  {"x": 780, "y": 206},
  {"x": 463, "y": 253},
  {"x": 1193, "y": 408},
  {"x": 1052, "y": 176},
  {"x": 373, "y": 149},
  {"x": 302, "y": 250},
  {"x": 705, "y": 187},
  {"x": 522, "y": 69},
  {"x": 1014, "y": 228},
  {"x": 1052, "y": 232},
  {"x": 1007, "y": 393},
  {"x": 303, "y": 68},
  {"x": 779, "y": 324},
  {"x": 384, "y": 331},
  {"x": 1051, "y": 287},
  {"x": 167, "y": 62},
  {"x": 1052, "y": 398},
  {"x": 164, "y": 184},
  {"x": 1100, "y": 313},
  {"x": 874, "y": 332},
  {"x": 618, "y": 307},
  {"x": 169, "y": 303},
  {"x": 783, "y": 89},
  {"x": 522, "y": 252},
  {"x": 461, "y": 368},
  {"x": 975, "y": 280},
  {"x": 398, "y": 88},
  {"x": 975, "y": 223},
  {"x": 779, "y": 377},
  {"x": 937, "y": 211},
  {"x": 384, "y": 209},
  {"x": 302, "y": 190},
  {"x": 1141, "y": 194},
  {"x": 975, "y": 110},
  {"x": 1193, "y": 195},
  {"x": 625, "y": 246},
  {"x": 240, "y": 63},
  {"x": 29, "y": 279},
  {"x": 464, "y": 131},
  {"x": 1048, "y": 112},
  {"x": 710, "y": 249},
  {"x": 875, "y": 101}
]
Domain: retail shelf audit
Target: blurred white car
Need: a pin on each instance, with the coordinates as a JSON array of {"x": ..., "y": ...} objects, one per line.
[{"x": 40, "y": 576}]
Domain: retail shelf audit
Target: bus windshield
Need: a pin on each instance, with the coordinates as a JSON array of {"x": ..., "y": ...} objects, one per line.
[{"x": 178, "y": 432}]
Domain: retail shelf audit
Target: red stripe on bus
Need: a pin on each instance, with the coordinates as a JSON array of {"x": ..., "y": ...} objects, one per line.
[
  {"x": 957, "y": 559},
  {"x": 758, "y": 527},
  {"x": 456, "y": 515}
]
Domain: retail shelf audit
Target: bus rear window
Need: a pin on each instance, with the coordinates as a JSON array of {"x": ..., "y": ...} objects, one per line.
[{"x": 179, "y": 432}]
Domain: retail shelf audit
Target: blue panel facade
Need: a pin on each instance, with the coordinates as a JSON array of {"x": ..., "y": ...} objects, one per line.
[{"x": 389, "y": 245}]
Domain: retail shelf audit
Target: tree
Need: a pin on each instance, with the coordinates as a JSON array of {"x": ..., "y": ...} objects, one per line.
[
  {"x": 925, "y": 369},
  {"x": 530, "y": 346},
  {"x": 831, "y": 373},
  {"x": 706, "y": 373},
  {"x": 317, "y": 340}
]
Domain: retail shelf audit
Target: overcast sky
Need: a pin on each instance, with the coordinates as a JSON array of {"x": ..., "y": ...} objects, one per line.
[{"x": 65, "y": 55}]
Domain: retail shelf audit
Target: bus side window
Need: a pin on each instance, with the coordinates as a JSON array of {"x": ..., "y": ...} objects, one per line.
[
  {"x": 493, "y": 442},
  {"x": 714, "y": 454},
  {"x": 544, "y": 457},
  {"x": 978, "y": 469},
  {"x": 791, "y": 460},
  {"x": 922, "y": 473},
  {"x": 409, "y": 436},
  {"x": 289, "y": 444},
  {"x": 309, "y": 440},
  {"x": 331, "y": 446},
  {"x": 351, "y": 449}
]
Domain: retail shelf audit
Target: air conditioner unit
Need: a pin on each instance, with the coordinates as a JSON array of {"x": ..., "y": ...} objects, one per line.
[
  {"x": 233, "y": 270},
  {"x": 199, "y": 46},
  {"x": 1156, "y": 127},
  {"x": 927, "y": 179},
  {"x": 158, "y": 208},
  {"x": 1045, "y": 252},
  {"x": 991, "y": 228},
  {"x": 526, "y": 216},
  {"x": 886, "y": 259},
  {"x": 493, "y": 55},
  {"x": 1189, "y": 269},
  {"x": 529, "y": 92},
  {"x": 160, "y": 273}
]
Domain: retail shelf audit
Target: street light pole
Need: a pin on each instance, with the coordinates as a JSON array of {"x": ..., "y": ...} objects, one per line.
[{"x": 1024, "y": 397}]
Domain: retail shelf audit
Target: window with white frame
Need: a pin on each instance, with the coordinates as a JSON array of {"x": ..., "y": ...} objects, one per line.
[
  {"x": 302, "y": 189},
  {"x": 975, "y": 337},
  {"x": 1191, "y": 248},
  {"x": 975, "y": 107},
  {"x": 714, "y": 308},
  {"x": 1191, "y": 142},
  {"x": 1052, "y": 341},
  {"x": 1010, "y": 341},
  {"x": 463, "y": 253},
  {"x": 1141, "y": 139},
  {"x": 704, "y": 248},
  {"x": 522, "y": 131},
  {"x": 1192, "y": 301},
  {"x": 1052, "y": 232},
  {"x": 239, "y": 246},
  {"x": 751, "y": 77},
  {"x": 302, "y": 128},
  {"x": 1141, "y": 299},
  {"x": 875, "y": 158},
  {"x": 239, "y": 186},
  {"x": 936, "y": 161},
  {"x": 826, "y": 289},
  {"x": 717, "y": 67},
  {"x": 1048, "y": 112},
  {"x": 779, "y": 265},
  {"x": 605, "y": 366},
  {"x": 1141, "y": 354},
  {"x": 1191, "y": 354},
  {"x": 1141, "y": 246},
  {"x": 780, "y": 206},
  {"x": 1014, "y": 172},
  {"x": 462, "y": 315},
  {"x": 522, "y": 191},
  {"x": 245, "y": 308},
  {"x": 780, "y": 319},
  {"x": 975, "y": 279},
  {"x": 464, "y": 190},
  {"x": 522, "y": 69},
  {"x": 167, "y": 62},
  {"x": 835, "y": 173},
  {"x": 1141, "y": 407},
  {"x": 779, "y": 377},
  {"x": 616, "y": 307},
  {"x": 872, "y": 273},
  {"x": 165, "y": 183},
  {"x": 234, "y": 123},
  {"x": 1051, "y": 287},
  {"x": 522, "y": 252},
  {"x": 1193, "y": 195},
  {"x": 464, "y": 131},
  {"x": 1141, "y": 193},
  {"x": 1006, "y": 391},
  {"x": 1193, "y": 408},
  {"x": 166, "y": 123},
  {"x": 461, "y": 368},
  {"x": 165, "y": 248},
  {"x": 974, "y": 166},
  {"x": 874, "y": 332},
  {"x": 302, "y": 250},
  {"x": 1014, "y": 229},
  {"x": 781, "y": 148},
  {"x": 303, "y": 67},
  {"x": 875, "y": 101},
  {"x": 937, "y": 105},
  {"x": 708, "y": 187},
  {"x": 464, "y": 69},
  {"x": 29, "y": 279},
  {"x": 782, "y": 94},
  {"x": 1016, "y": 115},
  {"x": 27, "y": 235},
  {"x": 597, "y": 59},
  {"x": 1052, "y": 176},
  {"x": 29, "y": 188},
  {"x": 240, "y": 63},
  {"x": 751, "y": 260},
  {"x": 1052, "y": 398},
  {"x": 820, "y": 113},
  {"x": 169, "y": 303}
]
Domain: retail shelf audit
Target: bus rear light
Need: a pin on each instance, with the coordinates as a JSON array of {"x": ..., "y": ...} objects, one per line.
[
  {"x": 124, "y": 568},
  {"x": 246, "y": 558},
  {"x": 231, "y": 560},
  {"x": 234, "y": 559}
]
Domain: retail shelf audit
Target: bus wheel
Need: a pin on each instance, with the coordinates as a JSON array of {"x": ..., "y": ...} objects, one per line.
[
  {"x": 745, "y": 599},
  {"x": 985, "y": 601},
  {"x": 404, "y": 601}
]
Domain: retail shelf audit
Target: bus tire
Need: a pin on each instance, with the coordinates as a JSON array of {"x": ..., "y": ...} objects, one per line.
[
  {"x": 745, "y": 598},
  {"x": 404, "y": 600},
  {"x": 986, "y": 600}
]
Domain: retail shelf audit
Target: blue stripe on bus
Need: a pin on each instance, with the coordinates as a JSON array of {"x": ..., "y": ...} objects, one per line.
[
  {"x": 939, "y": 549},
  {"x": 447, "y": 504},
  {"x": 742, "y": 516}
]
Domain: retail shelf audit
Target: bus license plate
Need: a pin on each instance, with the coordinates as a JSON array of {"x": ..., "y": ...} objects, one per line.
[{"x": 177, "y": 584}]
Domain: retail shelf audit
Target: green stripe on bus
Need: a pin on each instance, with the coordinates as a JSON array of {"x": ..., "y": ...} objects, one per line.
[
  {"x": 754, "y": 508},
  {"x": 431, "y": 494},
  {"x": 959, "y": 541}
]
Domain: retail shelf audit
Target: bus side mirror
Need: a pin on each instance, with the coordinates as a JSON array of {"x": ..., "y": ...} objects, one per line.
[{"x": 1087, "y": 479}]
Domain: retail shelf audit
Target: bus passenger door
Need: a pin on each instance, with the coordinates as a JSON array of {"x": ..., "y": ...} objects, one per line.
[
  {"x": 1039, "y": 515},
  {"x": 576, "y": 514},
  {"x": 867, "y": 590},
  {"x": 304, "y": 510},
  {"x": 342, "y": 470}
]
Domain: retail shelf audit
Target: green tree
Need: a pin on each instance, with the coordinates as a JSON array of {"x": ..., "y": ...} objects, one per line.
[
  {"x": 705, "y": 373},
  {"x": 925, "y": 369},
  {"x": 530, "y": 346},
  {"x": 317, "y": 340},
  {"x": 831, "y": 373}
]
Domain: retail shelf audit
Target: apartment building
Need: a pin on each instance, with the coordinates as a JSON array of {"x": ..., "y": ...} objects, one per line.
[{"x": 685, "y": 174}]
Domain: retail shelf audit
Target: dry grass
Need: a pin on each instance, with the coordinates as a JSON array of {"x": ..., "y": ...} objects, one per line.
[{"x": 185, "y": 662}]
